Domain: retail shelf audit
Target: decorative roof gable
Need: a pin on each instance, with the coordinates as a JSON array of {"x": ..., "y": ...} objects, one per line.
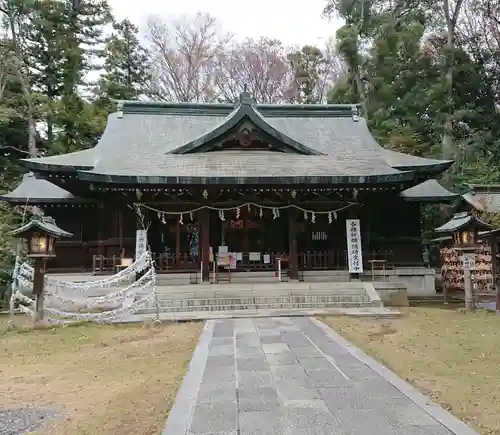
[
  {"x": 38, "y": 191},
  {"x": 429, "y": 191},
  {"x": 483, "y": 197},
  {"x": 461, "y": 220},
  {"x": 45, "y": 224},
  {"x": 245, "y": 113}
]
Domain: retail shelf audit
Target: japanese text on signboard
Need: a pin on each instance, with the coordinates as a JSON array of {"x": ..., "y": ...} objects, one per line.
[
  {"x": 469, "y": 261},
  {"x": 354, "y": 251},
  {"x": 141, "y": 243}
]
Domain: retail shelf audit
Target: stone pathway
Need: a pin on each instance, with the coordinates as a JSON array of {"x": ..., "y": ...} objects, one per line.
[
  {"x": 19, "y": 421},
  {"x": 295, "y": 376}
]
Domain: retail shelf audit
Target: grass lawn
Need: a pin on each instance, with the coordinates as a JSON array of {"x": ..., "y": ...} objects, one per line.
[
  {"x": 105, "y": 379},
  {"x": 451, "y": 356}
]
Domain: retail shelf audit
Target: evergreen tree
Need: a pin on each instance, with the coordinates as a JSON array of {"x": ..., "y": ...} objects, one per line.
[
  {"x": 126, "y": 64},
  {"x": 85, "y": 21},
  {"x": 15, "y": 21},
  {"x": 45, "y": 51},
  {"x": 399, "y": 64},
  {"x": 13, "y": 133},
  {"x": 60, "y": 40},
  {"x": 422, "y": 90},
  {"x": 308, "y": 66}
]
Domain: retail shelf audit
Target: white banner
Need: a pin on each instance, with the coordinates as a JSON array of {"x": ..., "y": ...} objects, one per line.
[
  {"x": 141, "y": 243},
  {"x": 354, "y": 251}
]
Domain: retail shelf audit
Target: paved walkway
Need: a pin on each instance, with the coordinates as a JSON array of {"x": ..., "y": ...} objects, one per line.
[{"x": 295, "y": 376}]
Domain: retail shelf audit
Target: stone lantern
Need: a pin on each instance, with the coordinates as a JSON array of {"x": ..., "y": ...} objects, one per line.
[{"x": 41, "y": 233}]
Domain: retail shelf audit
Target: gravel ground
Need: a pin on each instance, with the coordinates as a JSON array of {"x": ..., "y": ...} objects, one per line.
[{"x": 22, "y": 420}]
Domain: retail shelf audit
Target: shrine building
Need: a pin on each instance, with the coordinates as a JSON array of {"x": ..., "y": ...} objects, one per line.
[{"x": 306, "y": 183}]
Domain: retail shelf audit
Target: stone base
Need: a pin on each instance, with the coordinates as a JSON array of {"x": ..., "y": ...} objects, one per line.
[
  {"x": 393, "y": 294},
  {"x": 419, "y": 281}
]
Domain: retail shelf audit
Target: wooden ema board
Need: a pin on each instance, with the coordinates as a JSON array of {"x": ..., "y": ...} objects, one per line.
[{"x": 452, "y": 270}]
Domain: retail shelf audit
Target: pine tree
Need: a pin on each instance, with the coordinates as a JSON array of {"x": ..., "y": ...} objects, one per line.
[
  {"x": 45, "y": 50},
  {"x": 60, "y": 45},
  {"x": 13, "y": 133},
  {"x": 125, "y": 66},
  {"x": 14, "y": 16},
  {"x": 307, "y": 65},
  {"x": 85, "y": 21}
]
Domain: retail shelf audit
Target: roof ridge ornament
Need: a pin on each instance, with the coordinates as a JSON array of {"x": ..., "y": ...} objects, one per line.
[{"x": 245, "y": 98}]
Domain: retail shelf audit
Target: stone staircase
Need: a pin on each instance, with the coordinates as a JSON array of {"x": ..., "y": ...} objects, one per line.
[
  {"x": 256, "y": 277},
  {"x": 263, "y": 296}
]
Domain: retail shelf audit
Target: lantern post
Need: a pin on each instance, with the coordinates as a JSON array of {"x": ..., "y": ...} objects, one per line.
[
  {"x": 465, "y": 242},
  {"x": 41, "y": 233}
]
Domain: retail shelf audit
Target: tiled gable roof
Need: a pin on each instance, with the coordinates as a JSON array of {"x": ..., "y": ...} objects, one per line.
[{"x": 151, "y": 140}]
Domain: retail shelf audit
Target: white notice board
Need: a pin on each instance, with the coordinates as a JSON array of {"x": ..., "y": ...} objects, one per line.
[
  {"x": 354, "y": 252},
  {"x": 141, "y": 243},
  {"x": 469, "y": 261}
]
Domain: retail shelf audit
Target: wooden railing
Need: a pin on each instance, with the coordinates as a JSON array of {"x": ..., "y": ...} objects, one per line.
[
  {"x": 319, "y": 260},
  {"x": 335, "y": 260},
  {"x": 309, "y": 260},
  {"x": 187, "y": 262},
  {"x": 181, "y": 262},
  {"x": 102, "y": 264}
]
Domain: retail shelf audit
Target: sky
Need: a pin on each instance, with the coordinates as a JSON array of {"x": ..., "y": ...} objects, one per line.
[{"x": 291, "y": 21}]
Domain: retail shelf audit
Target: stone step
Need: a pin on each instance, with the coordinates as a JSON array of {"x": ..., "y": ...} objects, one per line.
[
  {"x": 256, "y": 277},
  {"x": 242, "y": 307},
  {"x": 237, "y": 295},
  {"x": 287, "y": 286},
  {"x": 362, "y": 312},
  {"x": 263, "y": 300},
  {"x": 236, "y": 278}
]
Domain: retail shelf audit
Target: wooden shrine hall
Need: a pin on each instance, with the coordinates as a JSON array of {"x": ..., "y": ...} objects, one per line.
[{"x": 306, "y": 183}]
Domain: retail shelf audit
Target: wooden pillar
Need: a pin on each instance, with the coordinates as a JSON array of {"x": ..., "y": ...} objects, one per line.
[
  {"x": 120, "y": 231},
  {"x": 83, "y": 247},
  {"x": 178, "y": 242},
  {"x": 494, "y": 272},
  {"x": 205, "y": 242},
  {"x": 292, "y": 239},
  {"x": 245, "y": 215},
  {"x": 38, "y": 288},
  {"x": 100, "y": 228},
  {"x": 141, "y": 224}
]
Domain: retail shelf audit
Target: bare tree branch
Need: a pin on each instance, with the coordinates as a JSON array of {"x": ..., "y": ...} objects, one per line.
[
  {"x": 184, "y": 55},
  {"x": 194, "y": 60},
  {"x": 260, "y": 66}
]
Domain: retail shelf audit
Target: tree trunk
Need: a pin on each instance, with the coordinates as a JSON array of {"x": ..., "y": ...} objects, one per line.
[
  {"x": 447, "y": 147},
  {"x": 361, "y": 92}
]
